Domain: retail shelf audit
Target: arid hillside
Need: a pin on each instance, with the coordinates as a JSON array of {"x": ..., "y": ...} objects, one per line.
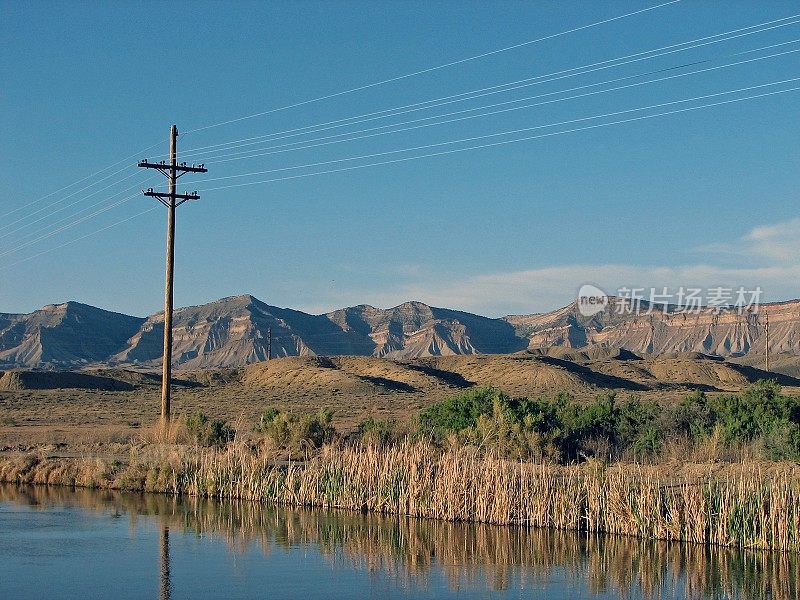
[
  {"x": 60, "y": 407},
  {"x": 234, "y": 332}
]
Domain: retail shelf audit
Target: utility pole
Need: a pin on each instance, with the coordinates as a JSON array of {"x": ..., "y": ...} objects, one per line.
[
  {"x": 766, "y": 347},
  {"x": 269, "y": 343},
  {"x": 171, "y": 200}
]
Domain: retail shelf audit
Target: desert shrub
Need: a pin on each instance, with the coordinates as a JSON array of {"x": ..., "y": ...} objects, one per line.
[
  {"x": 459, "y": 412},
  {"x": 649, "y": 442},
  {"x": 760, "y": 419},
  {"x": 558, "y": 429},
  {"x": 760, "y": 416},
  {"x": 692, "y": 417},
  {"x": 376, "y": 431},
  {"x": 201, "y": 430},
  {"x": 267, "y": 417},
  {"x": 296, "y": 431}
]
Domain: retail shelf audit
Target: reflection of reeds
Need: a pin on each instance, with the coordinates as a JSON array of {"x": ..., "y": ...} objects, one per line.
[
  {"x": 748, "y": 508},
  {"x": 411, "y": 548}
]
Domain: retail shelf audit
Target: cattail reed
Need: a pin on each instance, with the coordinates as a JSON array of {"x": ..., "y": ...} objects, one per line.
[{"x": 742, "y": 505}]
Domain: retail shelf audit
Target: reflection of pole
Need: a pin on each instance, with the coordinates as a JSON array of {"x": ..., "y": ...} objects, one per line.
[{"x": 164, "y": 563}]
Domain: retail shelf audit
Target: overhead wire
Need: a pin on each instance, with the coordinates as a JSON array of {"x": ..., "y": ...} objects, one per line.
[
  {"x": 32, "y": 202},
  {"x": 439, "y": 144},
  {"x": 491, "y": 135},
  {"x": 68, "y": 226},
  {"x": 64, "y": 198},
  {"x": 398, "y": 129},
  {"x": 10, "y": 224},
  {"x": 77, "y": 239},
  {"x": 597, "y": 125},
  {"x": 349, "y": 91},
  {"x": 493, "y": 144},
  {"x": 405, "y": 159},
  {"x": 230, "y": 144},
  {"x": 501, "y": 88},
  {"x": 431, "y": 69},
  {"x": 138, "y": 185},
  {"x": 70, "y": 205}
]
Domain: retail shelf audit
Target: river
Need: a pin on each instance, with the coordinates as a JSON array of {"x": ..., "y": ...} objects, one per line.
[{"x": 70, "y": 544}]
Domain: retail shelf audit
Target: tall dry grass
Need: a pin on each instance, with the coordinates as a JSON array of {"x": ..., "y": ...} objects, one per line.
[{"x": 748, "y": 506}]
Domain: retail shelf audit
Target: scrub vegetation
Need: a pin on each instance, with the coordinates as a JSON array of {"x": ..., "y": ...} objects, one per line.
[{"x": 719, "y": 470}]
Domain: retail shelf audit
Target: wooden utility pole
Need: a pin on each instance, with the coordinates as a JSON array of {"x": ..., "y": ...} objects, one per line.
[
  {"x": 766, "y": 347},
  {"x": 269, "y": 343},
  {"x": 166, "y": 367},
  {"x": 171, "y": 200}
]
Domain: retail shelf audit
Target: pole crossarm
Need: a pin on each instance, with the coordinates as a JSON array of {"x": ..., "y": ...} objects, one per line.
[
  {"x": 164, "y": 166},
  {"x": 162, "y": 195}
]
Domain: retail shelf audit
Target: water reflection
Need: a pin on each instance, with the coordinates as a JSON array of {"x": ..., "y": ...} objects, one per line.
[
  {"x": 411, "y": 549},
  {"x": 164, "y": 580}
]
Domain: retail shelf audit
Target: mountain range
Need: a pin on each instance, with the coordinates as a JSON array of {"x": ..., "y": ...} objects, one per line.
[{"x": 233, "y": 331}]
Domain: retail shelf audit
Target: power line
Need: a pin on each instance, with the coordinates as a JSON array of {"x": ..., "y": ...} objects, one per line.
[
  {"x": 65, "y": 227},
  {"x": 782, "y": 22},
  {"x": 126, "y": 159},
  {"x": 501, "y": 88},
  {"x": 77, "y": 239},
  {"x": 441, "y": 153},
  {"x": 37, "y": 211},
  {"x": 70, "y": 205},
  {"x": 308, "y": 144},
  {"x": 344, "y": 92},
  {"x": 493, "y": 144},
  {"x": 73, "y": 215},
  {"x": 395, "y": 125},
  {"x": 255, "y": 153},
  {"x": 502, "y": 133},
  {"x": 436, "y": 68},
  {"x": 371, "y": 85},
  {"x": 480, "y": 137}
]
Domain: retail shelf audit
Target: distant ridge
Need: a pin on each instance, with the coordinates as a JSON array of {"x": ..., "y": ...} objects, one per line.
[{"x": 232, "y": 332}]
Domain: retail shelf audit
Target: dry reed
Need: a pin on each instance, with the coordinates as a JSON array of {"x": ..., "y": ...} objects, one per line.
[{"x": 747, "y": 507}]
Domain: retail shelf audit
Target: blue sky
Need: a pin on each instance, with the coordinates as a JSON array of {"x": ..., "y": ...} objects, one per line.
[{"x": 704, "y": 198}]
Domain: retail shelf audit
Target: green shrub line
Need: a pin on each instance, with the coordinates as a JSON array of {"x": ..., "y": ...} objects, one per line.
[
  {"x": 760, "y": 422},
  {"x": 560, "y": 429}
]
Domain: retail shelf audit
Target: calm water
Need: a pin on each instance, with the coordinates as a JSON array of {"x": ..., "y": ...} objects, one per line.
[{"x": 57, "y": 543}]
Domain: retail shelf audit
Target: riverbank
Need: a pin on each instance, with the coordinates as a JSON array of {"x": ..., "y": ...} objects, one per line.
[{"x": 745, "y": 505}]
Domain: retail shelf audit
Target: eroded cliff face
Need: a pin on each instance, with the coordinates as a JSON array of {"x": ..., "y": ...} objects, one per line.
[
  {"x": 663, "y": 332},
  {"x": 414, "y": 329},
  {"x": 64, "y": 334},
  {"x": 232, "y": 332}
]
